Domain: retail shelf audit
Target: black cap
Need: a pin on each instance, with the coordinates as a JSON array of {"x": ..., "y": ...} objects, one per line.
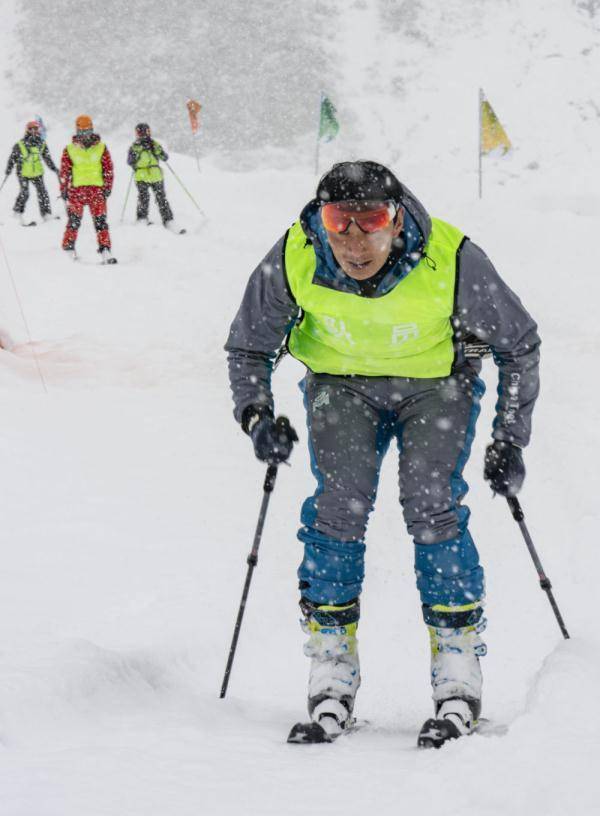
[
  {"x": 142, "y": 128},
  {"x": 359, "y": 181}
]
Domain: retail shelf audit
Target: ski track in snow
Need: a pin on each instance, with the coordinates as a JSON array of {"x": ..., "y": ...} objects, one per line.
[{"x": 129, "y": 500}]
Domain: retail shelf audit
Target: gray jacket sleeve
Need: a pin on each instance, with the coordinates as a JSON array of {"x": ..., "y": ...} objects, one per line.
[
  {"x": 489, "y": 309},
  {"x": 259, "y": 329}
]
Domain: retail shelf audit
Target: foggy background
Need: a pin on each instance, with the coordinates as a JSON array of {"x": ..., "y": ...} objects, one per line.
[{"x": 256, "y": 68}]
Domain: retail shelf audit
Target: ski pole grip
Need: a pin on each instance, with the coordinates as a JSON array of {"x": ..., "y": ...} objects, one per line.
[{"x": 515, "y": 508}]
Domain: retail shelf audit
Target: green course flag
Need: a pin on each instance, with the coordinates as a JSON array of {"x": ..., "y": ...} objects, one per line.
[{"x": 328, "y": 123}]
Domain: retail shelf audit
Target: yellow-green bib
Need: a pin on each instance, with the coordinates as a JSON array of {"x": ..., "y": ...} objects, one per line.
[
  {"x": 146, "y": 167},
  {"x": 404, "y": 333},
  {"x": 87, "y": 165},
  {"x": 31, "y": 164}
]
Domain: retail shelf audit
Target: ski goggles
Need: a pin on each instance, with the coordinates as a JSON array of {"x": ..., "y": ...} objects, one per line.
[{"x": 369, "y": 216}]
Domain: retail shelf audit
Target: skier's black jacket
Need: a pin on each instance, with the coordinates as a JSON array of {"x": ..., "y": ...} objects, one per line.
[{"x": 16, "y": 159}]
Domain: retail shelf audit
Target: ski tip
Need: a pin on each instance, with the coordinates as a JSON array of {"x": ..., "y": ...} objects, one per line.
[{"x": 308, "y": 734}]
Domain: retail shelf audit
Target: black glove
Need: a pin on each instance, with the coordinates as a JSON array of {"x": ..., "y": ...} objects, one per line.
[
  {"x": 105, "y": 192},
  {"x": 504, "y": 468},
  {"x": 273, "y": 439}
]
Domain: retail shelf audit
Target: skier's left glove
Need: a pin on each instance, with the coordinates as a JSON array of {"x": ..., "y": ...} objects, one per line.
[
  {"x": 273, "y": 439},
  {"x": 504, "y": 468},
  {"x": 106, "y": 192}
]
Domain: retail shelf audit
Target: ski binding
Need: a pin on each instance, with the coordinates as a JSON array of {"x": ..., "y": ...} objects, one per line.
[
  {"x": 454, "y": 719},
  {"x": 328, "y": 729}
]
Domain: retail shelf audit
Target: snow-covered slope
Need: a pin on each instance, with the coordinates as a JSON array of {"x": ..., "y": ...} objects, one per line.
[{"x": 129, "y": 497}]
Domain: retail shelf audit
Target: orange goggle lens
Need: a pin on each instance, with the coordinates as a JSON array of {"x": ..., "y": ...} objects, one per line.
[{"x": 338, "y": 217}]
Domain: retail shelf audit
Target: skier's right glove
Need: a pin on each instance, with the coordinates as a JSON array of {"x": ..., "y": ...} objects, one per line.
[
  {"x": 504, "y": 468},
  {"x": 273, "y": 439}
]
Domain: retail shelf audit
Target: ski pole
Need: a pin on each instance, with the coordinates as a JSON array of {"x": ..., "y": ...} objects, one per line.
[
  {"x": 252, "y": 561},
  {"x": 127, "y": 195},
  {"x": 4, "y": 182},
  {"x": 519, "y": 517},
  {"x": 185, "y": 189}
]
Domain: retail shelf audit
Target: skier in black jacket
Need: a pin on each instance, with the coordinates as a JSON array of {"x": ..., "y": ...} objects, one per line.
[
  {"x": 143, "y": 157},
  {"x": 26, "y": 156}
]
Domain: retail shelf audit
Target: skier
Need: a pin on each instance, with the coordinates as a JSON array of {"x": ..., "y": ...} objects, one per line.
[
  {"x": 26, "y": 156},
  {"x": 144, "y": 156},
  {"x": 86, "y": 177},
  {"x": 390, "y": 310}
]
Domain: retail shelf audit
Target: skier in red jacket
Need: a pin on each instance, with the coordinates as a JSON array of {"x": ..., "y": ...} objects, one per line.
[{"x": 86, "y": 177}]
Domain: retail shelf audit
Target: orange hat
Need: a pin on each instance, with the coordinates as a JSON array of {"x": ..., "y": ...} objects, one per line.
[{"x": 84, "y": 123}]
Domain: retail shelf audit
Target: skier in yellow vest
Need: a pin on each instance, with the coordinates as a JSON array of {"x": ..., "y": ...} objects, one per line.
[
  {"x": 26, "y": 157},
  {"x": 390, "y": 310},
  {"x": 144, "y": 157},
  {"x": 86, "y": 178}
]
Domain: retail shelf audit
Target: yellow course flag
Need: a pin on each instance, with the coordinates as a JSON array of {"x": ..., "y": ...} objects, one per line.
[{"x": 493, "y": 134}]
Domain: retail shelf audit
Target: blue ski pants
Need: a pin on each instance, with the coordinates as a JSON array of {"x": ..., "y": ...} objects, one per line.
[{"x": 351, "y": 422}]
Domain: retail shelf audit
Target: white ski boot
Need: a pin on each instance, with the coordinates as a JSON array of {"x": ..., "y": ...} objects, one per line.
[
  {"x": 106, "y": 256},
  {"x": 70, "y": 252},
  {"x": 456, "y": 681},
  {"x": 333, "y": 681},
  {"x": 172, "y": 227}
]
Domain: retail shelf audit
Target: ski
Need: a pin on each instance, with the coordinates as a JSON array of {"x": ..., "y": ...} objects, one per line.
[
  {"x": 74, "y": 257},
  {"x": 29, "y": 224}
]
